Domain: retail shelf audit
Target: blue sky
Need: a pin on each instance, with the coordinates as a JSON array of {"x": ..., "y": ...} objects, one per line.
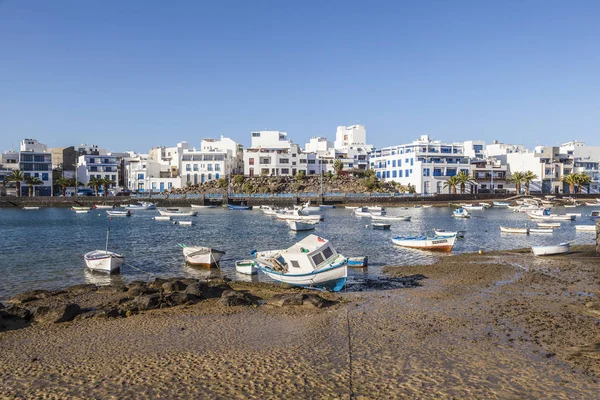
[{"x": 129, "y": 75}]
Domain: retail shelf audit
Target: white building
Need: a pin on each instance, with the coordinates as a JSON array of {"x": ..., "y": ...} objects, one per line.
[
  {"x": 424, "y": 164},
  {"x": 36, "y": 161},
  {"x": 216, "y": 159},
  {"x": 272, "y": 154},
  {"x": 9, "y": 162},
  {"x": 351, "y": 147},
  {"x": 98, "y": 166},
  {"x": 144, "y": 174}
]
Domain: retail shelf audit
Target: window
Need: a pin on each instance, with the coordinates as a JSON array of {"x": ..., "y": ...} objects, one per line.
[
  {"x": 94, "y": 169},
  {"x": 317, "y": 259},
  {"x": 195, "y": 167},
  {"x": 284, "y": 160},
  {"x": 209, "y": 177},
  {"x": 394, "y": 174},
  {"x": 251, "y": 172},
  {"x": 170, "y": 185},
  {"x": 44, "y": 177},
  {"x": 188, "y": 167},
  {"x": 265, "y": 160},
  {"x": 251, "y": 161},
  {"x": 114, "y": 178},
  {"x": 327, "y": 252},
  {"x": 209, "y": 167},
  {"x": 393, "y": 163},
  {"x": 311, "y": 161},
  {"x": 140, "y": 176},
  {"x": 285, "y": 171},
  {"x": 188, "y": 178},
  {"x": 425, "y": 171},
  {"x": 217, "y": 167},
  {"x": 407, "y": 173},
  {"x": 255, "y": 134}
]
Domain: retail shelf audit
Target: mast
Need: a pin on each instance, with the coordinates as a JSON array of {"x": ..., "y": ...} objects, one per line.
[{"x": 107, "y": 230}]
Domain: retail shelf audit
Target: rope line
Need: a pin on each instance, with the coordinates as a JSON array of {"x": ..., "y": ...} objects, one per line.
[{"x": 139, "y": 269}]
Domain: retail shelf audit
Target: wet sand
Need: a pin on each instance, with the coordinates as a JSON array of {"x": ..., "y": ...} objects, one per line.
[{"x": 497, "y": 325}]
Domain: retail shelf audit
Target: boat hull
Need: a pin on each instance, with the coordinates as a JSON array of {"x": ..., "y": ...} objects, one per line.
[
  {"x": 300, "y": 225},
  {"x": 562, "y": 248},
  {"x": 104, "y": 261},
  {"x": 358, "y": 262},
  {"x": 202, "y": 256},
  {"x": 246, "y": 267},
  {"x": 441, "y": 243},
  {"x": 332, "y": 278}
]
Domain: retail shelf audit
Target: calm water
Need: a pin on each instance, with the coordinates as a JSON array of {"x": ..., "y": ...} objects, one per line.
[{"x": 43, "y": 249}]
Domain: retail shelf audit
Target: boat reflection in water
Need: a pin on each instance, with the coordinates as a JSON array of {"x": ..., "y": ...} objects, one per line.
[
  {"x": 102, "y": 279},
  {"x": 246, "y": 278},
  {"x": 203, "y": 273}
]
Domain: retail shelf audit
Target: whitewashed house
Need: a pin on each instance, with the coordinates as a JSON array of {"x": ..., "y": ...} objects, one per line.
[{"x": 272, "y": 154}]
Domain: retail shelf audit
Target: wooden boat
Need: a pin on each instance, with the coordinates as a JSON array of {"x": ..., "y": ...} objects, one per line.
[
  {"x": 358, "y": 262},
  {"x": 201, "y": 256},
  {"x": 31, "y": 208},
  {"x": 118, "y": 213},
  {"x": 246, "y": 267},
  {"x": 381, "y": 225},
  {"x": 202, "y": 206},
  {"x": 541, "y": 230},
  {"x": 443, "y": 232},
  {"x": 461, "y": 213},
  {"x": 311, "y": 262},
  {"x": 161, "y": 218},
  {"x": 297, "y": 225},
  {"x": 144, "y": 205},
  {"x": 548, "y": 224},
  {"x": 504, "y": 229},
  {"x": 500, "y": 204},
  {"x": 437, "y": 243},
  {"x": 104, "y": 206},
  {"x": 391, "y": 218},
  {"x": 585, "y": 228},
  {"x": 176, "y": 213},
  {"x": 562, "y": 248},
  {"x": 239, "y": 208},
  {"x": 104, "y": 260}
]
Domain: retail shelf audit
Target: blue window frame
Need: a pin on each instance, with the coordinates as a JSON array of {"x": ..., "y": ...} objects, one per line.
[
  {"x": 44, "y": 177},
  {"x": 394, "y": 174},
  {"x": 393, "y": 163},
  {"x": 399, "y": 173},
  {"x": 140, "y": 176}
]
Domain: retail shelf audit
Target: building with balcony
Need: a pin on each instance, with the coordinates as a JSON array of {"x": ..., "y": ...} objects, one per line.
[
  {"x": 351, "y": 148},
  {"x": 98, "y": 166},
  {"x": 36, "y": 161},
  {"x": 424, "y": 164},
  {"x": 490, "y": 175}
]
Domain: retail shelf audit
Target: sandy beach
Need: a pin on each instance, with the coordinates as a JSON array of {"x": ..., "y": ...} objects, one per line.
[{"x": 498, "y": 325}]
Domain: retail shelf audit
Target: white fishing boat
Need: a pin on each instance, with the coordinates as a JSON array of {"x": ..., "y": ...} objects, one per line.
[
  {"x": 381, "y": 225},
  {"x": 391, "y": 218},
  {"x": 327, "y": 206},
  {"x": 562, "y": 248},
  {"x": 427, "y": 206},
  {"x": 585, "y": 228},
  {"x": 572, "y": 205},
  {"x": 595, "y": 214},
  {"x": 269, "y": 212},
  {"x": 548, "y": 224},
  {"x": 31, "y": 208},
  {"x": 104, "y": 206},
  {"x": 296, "y": 225},
  {"x": 485, "y": 205},
  {"x": 351, "y": 207},
  {"x": 161, "y": 218},
  {"x": 246, "y": 267},
  {"x": 541, "y": 230},
  {"x": 461, "y": 213},
  {"x": 471, "y": 207},
  {"x": 362, "y": 212},
  {"x": 201, "y": 256},
  {"x": 505, "y": 229},
  {"x": 104, "y": 260},
  {"x": 199, "y": 206},
  {"x": 376, "y": 208},
  {"x": 297, "y": 216},
  {"x": 443, "y": 232},
  {"x": 118, "y": 213},
  {"x": 82, "y": 211},
  {"x": 307, "y": 209},
  {"x": 546, "y": 215},
  {"x": 500, "y": 204},
  {"x": 144, "y": 205},
  {"x": 436, "y": 243},
  {"x": 526, "y": 208},
  {"x": 312, "y": 262},
  {"x": 167, "y": 212},
  {"x": 80, "y": 208},
  {"x": 183, "y": 223},
  {"x": 587, "y": 203},
  {"x": 358, "y": 262}
]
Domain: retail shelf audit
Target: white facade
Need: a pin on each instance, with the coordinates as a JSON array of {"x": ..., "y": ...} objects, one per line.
[
  {"x": 318, "y": 145},
  {"x": 99, "y": 166},
  {"x": 424, "y": 164},
  {"x": 277, "y": 161},
  {"x": 36, "y": 161},
  {"x": 144, "y": 174},
  {"x": 350, "y": 135},
  {"x": 351, "y": 147},
  {"x": 216, "y": 159},
  {"x": 270, "y": 140}
]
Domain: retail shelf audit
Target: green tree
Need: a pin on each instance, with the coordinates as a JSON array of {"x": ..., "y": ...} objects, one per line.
[
  {"x": 583, "y": 179},
  {"x": 528, "y": 177},
  {"x": 106, "y": 183},
  {"x": 463, "y": 179},
  {"x": 16, "y": 177},
  {"x": 338, "y": 166},
  {"x": 222, "y": 183},
  {"x": 452, "y": 183},
  {"x": 94, "y": 183},
  {"x": 517, "y": 179},
  {"x": 238, "y": 179},
  {"x": 32, "y": 181},
  {"x": 63, "y": 183},
  {"x": 571, "y": 180},
  {"x": 300, "y": 176}
]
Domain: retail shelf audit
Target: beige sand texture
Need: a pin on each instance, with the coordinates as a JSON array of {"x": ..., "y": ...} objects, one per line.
[{"x": 479, "y": 327}]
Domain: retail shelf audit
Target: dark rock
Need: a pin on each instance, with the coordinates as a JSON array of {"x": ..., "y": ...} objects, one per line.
[
  {"x": 233, "y": 298},
  {"x": 110, "y": 313},
  {"x": 157, "y": 283},
  {"x": 112, "y": 289},
  {"x": 29, "y": 296},
  {"x": 81, "y": 289},
  {"x": 287, "y": 299},
  {"x": 173, "y": 286},
  {"x": 177, "y": 298},
  {"x": 61, "y": 313},
  {"x": 16, "y": 312},
  {"x": 1, "y": 306},
  {"x": 194, "y": 289},
  {"x": 316, "y": 300},
  {"x": 146, "y": 302},
  {"x": 211, "y": 290}
]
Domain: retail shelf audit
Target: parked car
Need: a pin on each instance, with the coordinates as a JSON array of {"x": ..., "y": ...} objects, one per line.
[{"x": 85, "y": 192}]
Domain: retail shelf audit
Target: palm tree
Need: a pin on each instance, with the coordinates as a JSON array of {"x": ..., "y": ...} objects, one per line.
[
  {"x": 32, "y": 181},
  {"x": 517, "y": 179},
  {"x": 583, "y": 179},
  {"x": 106, "y": 183},
  {"x": 64, "y": 183},
  {"x": 464, "y": 178},
  {"x": 94, "y": 183},
  {"x": 452, "y": 183},
  {"x": 528, "y": 177},
  {"x": 338, "y": 166},
  {"x": 571, "y": 180},
  {"x": 16, "y": 177}
]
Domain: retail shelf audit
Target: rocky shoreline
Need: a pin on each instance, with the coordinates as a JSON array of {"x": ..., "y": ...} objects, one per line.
[{"x": 495, "y": 325}]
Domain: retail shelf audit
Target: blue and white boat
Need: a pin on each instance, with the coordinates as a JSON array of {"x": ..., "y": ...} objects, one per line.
[
  {"x": 144, "y": 205},
  {"x": 436, "y": 243},
  {"x": 358, "y": 262},
  {"x": 312, "y": 262},
  {"x": 234, "y": 207},
  {"x": 501, "y": 204},
  {"x": 461, "y": 213}
]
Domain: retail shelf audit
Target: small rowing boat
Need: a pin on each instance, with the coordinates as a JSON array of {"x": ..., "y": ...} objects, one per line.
[
  {"x": 438, "y": 243},
  {"x": 562, "y": 248}
]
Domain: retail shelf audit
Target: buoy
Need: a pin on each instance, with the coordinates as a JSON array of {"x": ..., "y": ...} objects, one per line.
[
  {"x": 366, "y": 226},
  {"x": 480, "y": 252}
]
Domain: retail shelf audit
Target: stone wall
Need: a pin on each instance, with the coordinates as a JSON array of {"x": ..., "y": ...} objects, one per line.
[{"x": 598, "y": 235}]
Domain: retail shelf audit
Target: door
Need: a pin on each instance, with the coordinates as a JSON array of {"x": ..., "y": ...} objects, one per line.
[{"x": 162, "y": 187}]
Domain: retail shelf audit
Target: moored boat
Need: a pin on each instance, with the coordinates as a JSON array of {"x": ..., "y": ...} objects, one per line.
[
  {"x": 548, "y": 224},
  {"x": 238, "y": 208},
  {"x": 118, "y": 213},
  {"x": 246, "y": 267},
  {"x": 443, "y": 232},
  {"x": 311, "y": 262},
  {"x": 297, "y": 225},
  {"x": 144, "y": 205},
  {"x": 505, "y": 229},
  {"x": 391, "y": 218},
  {"x": 201, "y": 256},
  {"x": 161, "y": 218},
  {"x": 176, "y": 213},
  {"x": 358, "y": 262},
  {"x": 80, "y": 208},
  {"x": 202, "y": 206},
  {"x": 31, "y": 208},
  {"x": 381, "y": 225},
  {"x": 103, "y": 261},
  {"x": 436, "y": 243},
  {"x": 461, "y": 213},
  {"x": 562, "y": 248},
  {"x": 82, "y": 211},
  {"x": 541, "y": 230},
  {"x": 501, "y": 204},
  {"x": 585, "y": 228},
  {"x": 546, "y": 215},
  {"x": 297, "y": 216},
  {"x": 595, "y": 214},
  {"x": 104, "y": 206}
]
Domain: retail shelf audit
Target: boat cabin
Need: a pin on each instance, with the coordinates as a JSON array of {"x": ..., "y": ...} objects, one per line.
[{"x": 310, "y": 254}]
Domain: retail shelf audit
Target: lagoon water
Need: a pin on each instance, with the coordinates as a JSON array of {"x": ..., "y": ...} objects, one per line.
[{"x": 43, "y": 249}]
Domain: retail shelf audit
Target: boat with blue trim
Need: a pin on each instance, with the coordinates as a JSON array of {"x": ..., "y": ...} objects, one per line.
[
  {"x": 311, "y": 262},
  {"x": 437, "y": 243},
  {"x": 241, "y": 207}
]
